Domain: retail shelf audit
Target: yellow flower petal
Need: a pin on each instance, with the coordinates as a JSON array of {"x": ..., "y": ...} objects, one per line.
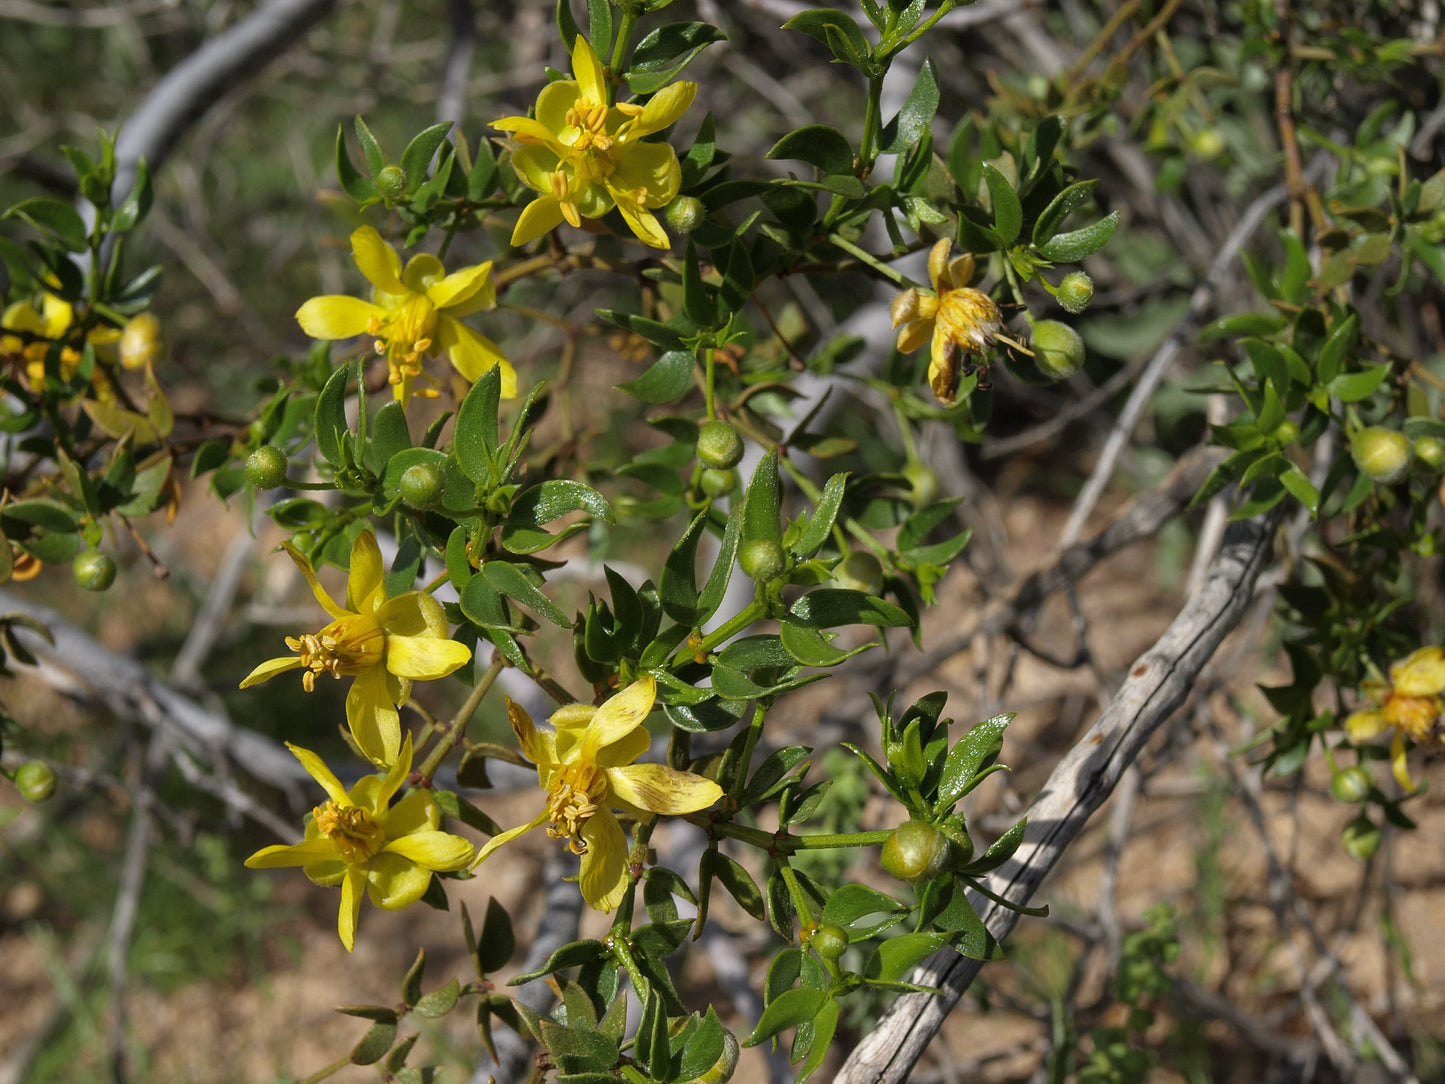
[
  {"x": 269, "y": 669},
  {"x": 434, "y": 849},
  {"x": 643, "y": 224},
  {"x": 327, "y": 602},
  {"x": 938, "y": 266},
  {"x": 1364, "y": 725},
  {"x": 620, "y": 714},
  {"x": 660, "y": 789},
  {"x": 506, "y": 837},
  {"x": 416, "y": 812},
  {"x": 943, "y": 373},
  {"x": 649, "y": 167},
  {"x": 1422, "y": 673},
  {"x": 604, "y": 864},
  {"x": 540, "y": 217},
  {"x": 423, "y": 271},
  {"x": 473, "y": 354},
  {"x": 317, "y": 769},
  {"x": 365, "y": 575},
  {"x": 395, "y": 777},
  {"x": 625, "y": 749},
  {"x": 914, "y": 335},
  {"x": 296, "y": 854},
  {"x": 350, "y": 909},
  {"x": 424, "y": 658},
  {"x": 591, "y": 79},
  {"x": 377, "y": 260},
  {"x": 394, "y": 882},
  {"x": 1398, "y": 766},
  {"x": 464, "y": 291},
  {"x": 373, "y": 718},
  {"x": 336, "y": 316},
  {"x": 665, "y": 108}
]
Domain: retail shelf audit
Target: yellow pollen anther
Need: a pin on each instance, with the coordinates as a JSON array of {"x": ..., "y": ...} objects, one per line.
[
  {"x": 347, "y": 646},
  {"x": 356, "y": 835}
]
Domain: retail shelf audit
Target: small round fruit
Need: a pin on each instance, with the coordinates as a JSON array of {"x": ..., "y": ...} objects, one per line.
[
  {"x": 860, "y": 571},
  {"x": 762, "y": 560},
  {"x": 35, "y": 780},
  {"x": 915, "y": 852},
  {"x": 685, "y": 214},
  {"x": 829, "y": 942},
  {"x": 1286, "y": 433},
  {"x": 1383, "y": 455},
  {"x": 93, "y": 570},
  {"x": 1207, "y": 144},
  {"x": 1058, "y": 349},
  {"x": 719, "y": 445},
  {"x": 421, "y": 485},
  {"x": 1350, "y": 784},
  {"x": 922, "y": 483},
  {"x": 266, "y": 467},
  {"x": 140, "y": 341},
  {"x": 1431, "y": 452},
  {"x": 391, "y": 182},
  {"x": 1361, "y": 838},
  {"x": 718, "y": 483},
  {"x": 1076, "y": 290}
]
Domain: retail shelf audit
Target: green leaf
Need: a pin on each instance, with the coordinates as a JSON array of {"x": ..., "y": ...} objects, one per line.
[
  {"x": 355, "y": 184},
  {"x": 498, "y": 942},
  {"x": 787, "y": 1010},
  {"x": 697, "y": 300},
  {"x": 825, "y": 1024},
  {"x": 50, "y": 216},
  {"x": 1008, "y": 213},
  {"x": 714, "y": 590},
  {"x": 738, "y": 881},
  {"x": 854, "y": 902},
  {"x": 137, "y": 203},
  {"x": 773, "y": 773},
  {"x": 819, "y": 145},
  {"x": 375, "y": 1044},
  {"x": 375, "y": 159},
  {"x": 475, "y": 438},
  {"x": 552, "y": 499},
  {"x": 973, "y": 752},
  {"x": 1046, "y": 226},
  {"x": 1302, "y": 489},
  {"x": 1352, "y": 387},
  {"x": 1002, "y": 850},
  {"x": 330, "y": 420},
  {"x": 665, "y": 51},
  {"x": 897, "y": 956},
  {"x": 668, "y": 377},
  {"x": 813, "y": 647},
  {"x": 678, "y": 585},
  {"x": 762, "y": 503},
  {"x": 416, "y": 159},
  {"x": 838, "y": 32},
  {"x": 389, "y": 435},
  {"x": 917, "y": 113},
  {"x": 828, "y": 608},
  {"x": 567, "y": 27},
  {"x": 510, "y": 580},
  {"x": 1074, "y": 246},
  {"x": 1039, "y": 151},
  {"x": 820, "y": 524},
  {"x": 578, "y": 952},
  {"x": 439, "y": 1002},
  {"x": 1337, "y": 346}
]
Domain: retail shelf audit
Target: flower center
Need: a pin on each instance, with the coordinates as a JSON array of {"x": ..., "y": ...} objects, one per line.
[
  {"x": 1415, "y": 715},
  {"x": 356, "y": 835},
  {"x": 574, "y": 796},
  {"x": 405, "y": 336},
  {"x": 590, "y": 118},
  {"x": 969, "y": 318},
  {"x": 349, "y": 645}
]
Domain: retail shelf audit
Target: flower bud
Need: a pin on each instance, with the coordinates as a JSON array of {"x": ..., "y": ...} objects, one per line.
[
  {"x": 829, "y": 942},
  {"x": 762, "y": 560},
  {"x": 391, "y": 182},
  {"x": 685, "y": 214},
  {"x": 140, "y": 341},
  {"x": 266, "y": 467},
  {"x": 1286, "y": 433},
  {"x": 915, "y": 852},
  {"x": 1431, "y": 452},
  {"x": 1076, "y": 291},
  {"x": 35, "y": 780},
  {"x": 1361, "y": 838},
  {"x": 860, "y": 571},
  {"x": 421, "y": 486},
  {"x": 717, "y": 483},
  {"x": 93, "y": 570},
  {"x": 719, "y": 445},
  {"x": 1381, "y": 454},
  {"x": 922, "y": 483},
  {"x": 1058, "y": 349},
  {"x": 1350, "y": 784}
]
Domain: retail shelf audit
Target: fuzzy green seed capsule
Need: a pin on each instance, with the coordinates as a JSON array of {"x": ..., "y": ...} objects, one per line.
[
  {"x": 719, "y": 445},
  {"x": 1058, "y": 349},
  {"x": 1350, "y": 784},
  {"x": 1382, "y": 454},
  {"x": 829, "y": 942},
  {"x": 391, "y": 182},
  {"x": 684, "y": 214},
  {"x": 266, "y": 467},
  {"x": 35, "y": 780},
  {"x": 915, "y": 852},
  {"x": 1361, "y": 838},
  {"x": 94, "y": 571},
  {"x": 860, "y": 571},
  {"x": 1431, "y": 452},
  {"x": 1076, "y": 291},
  {"x": 717, "y": 483},
  {"x": 421, "y": 485},
  {"x": 762, "y": 560}
]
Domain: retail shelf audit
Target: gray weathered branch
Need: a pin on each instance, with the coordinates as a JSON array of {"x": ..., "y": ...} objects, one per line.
[{"x": 1157, "y": 684}]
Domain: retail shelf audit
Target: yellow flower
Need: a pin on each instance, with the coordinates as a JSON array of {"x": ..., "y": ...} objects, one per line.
[
  {"x": 413, "y": 313},
  {"x": 357, "y": 839},
  {"x": 585, "y": 766},
  {"x": 384, "y": 643},
  {"x": 585, "y": 157},
  {"x": 960, "y": 319},
  {"x": 48, "y": 324},
  {"x": 1409, "y": 703}
]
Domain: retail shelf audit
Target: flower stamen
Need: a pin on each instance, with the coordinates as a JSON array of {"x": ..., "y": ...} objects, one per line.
[{"x": 357, "y": 837}]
